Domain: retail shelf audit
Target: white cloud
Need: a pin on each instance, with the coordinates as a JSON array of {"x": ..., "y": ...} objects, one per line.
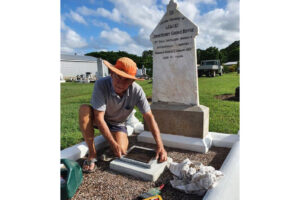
[
  {"x": 188, "y": 9},
  {"x": 144, "y": 14},
  {"x": 122, "y": 39},
  {"x": 76, "y": 17},
  {"x": 86, "y": 11},
  {"x": 191, "y": 1},
  {"x": 67, "y": 50},
  {"x": 143, "y": 37},
  {"x": 203, "y": 1},
  {"x": 100, "y": 24},
  {"x": 133, "y": 49},
  {"x": 114, "y": 15},
  {"x": 219, "y": 27},
  {"x": 70, "y": 40},
  {"x": 73, "y": 39},
  {"x": 165, "y": 2},
  {"x": 115, "y": 36}
]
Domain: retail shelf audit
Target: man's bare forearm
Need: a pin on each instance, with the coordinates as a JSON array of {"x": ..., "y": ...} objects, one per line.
[{"x": 106, "y": 132}]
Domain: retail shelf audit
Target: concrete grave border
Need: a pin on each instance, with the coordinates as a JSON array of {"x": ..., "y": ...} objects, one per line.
[
  {"x": 229, "y": 185},
  {"x": 179, "y": 141},
  {"x": 78, "y": 151},
  {"x": 190, "y": 143},
  {"x": 227, "y": 188}
]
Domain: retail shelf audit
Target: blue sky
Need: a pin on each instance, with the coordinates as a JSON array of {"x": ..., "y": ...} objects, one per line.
[{"x": 125, "y": 25}]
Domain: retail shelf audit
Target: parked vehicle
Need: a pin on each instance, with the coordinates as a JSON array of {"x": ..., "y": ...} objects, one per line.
[{"x": 210, "y": 68}]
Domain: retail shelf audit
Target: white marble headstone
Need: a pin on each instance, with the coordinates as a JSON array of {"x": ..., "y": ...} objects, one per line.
[
  {"x": 102, "y": 70},
  {"x": 174, "y": 59}
]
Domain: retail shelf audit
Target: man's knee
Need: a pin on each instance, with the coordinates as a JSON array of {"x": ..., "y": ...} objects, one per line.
[
  {"x": 125, "y": 147},
  {"x": 85, "y": 112},
  {"x": 85, "y": 109},
  {"x": 122, "y": 140}
]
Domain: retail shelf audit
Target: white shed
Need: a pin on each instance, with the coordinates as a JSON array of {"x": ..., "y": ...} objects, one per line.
[
  {"x": 73, "y": 65},
  {"x": 230, "y": 63}
]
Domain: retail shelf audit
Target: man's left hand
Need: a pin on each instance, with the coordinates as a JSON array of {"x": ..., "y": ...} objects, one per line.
[{"x": 161, "y": 154}]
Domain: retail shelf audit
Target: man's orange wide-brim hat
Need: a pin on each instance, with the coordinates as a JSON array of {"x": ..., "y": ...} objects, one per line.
[{"x": 124, "y": 67}]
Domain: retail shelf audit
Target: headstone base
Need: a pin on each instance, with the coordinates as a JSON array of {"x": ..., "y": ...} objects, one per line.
[
  {"x": 180, "y": 119},
  {"x": 146, "y": 174},
  {"x": 179, "y": 142}
]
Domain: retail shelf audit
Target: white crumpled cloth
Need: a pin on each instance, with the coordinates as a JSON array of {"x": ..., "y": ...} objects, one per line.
[{"x": 194, "y": 177}]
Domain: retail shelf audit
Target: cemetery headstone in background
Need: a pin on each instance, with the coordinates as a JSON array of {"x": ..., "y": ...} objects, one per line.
[
  {"x": 175, "y": 83},
  {"x": 102, "y": 70}
]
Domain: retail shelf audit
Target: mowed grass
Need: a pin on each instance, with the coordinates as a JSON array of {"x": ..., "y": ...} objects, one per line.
[
  {"x": 223, "y": 115},
  {"x": 72, "y": 96}
]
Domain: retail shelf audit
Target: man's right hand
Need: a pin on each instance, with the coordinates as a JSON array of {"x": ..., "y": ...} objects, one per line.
[{"x": 118, "y": 150}]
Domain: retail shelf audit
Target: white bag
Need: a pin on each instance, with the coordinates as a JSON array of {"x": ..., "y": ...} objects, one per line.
[{"x": 194, "y": 177}]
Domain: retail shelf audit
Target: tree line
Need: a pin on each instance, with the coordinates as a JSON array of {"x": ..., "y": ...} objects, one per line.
[{"x": 228, "y": 54}]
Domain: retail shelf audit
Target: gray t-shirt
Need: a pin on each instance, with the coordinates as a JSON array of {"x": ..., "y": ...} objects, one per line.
[{"x": 117, "y": 109}]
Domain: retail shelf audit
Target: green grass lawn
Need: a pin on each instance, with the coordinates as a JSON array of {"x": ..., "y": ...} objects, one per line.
[{"x": 223, "y": 115}]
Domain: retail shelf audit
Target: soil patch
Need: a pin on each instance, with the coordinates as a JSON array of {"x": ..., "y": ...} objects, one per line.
[
  {"x": 141, "y": 155},
  {"x": 227, "y": 97},
  {"x": 107, "y": 184}
]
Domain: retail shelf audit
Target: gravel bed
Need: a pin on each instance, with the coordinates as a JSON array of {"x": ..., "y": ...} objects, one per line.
[{"x": 107, "y": 184}]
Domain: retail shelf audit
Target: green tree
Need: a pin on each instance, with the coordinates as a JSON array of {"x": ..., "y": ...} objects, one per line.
[
  {"x": 147, "y": 60},
  {"x": 234, "y": 55},
  {"x": 210, "y": 53},
  {"x": 231, "y": 53}
]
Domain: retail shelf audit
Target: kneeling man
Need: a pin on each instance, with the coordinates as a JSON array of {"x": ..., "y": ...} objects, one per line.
[{"x": 113, "y": 99}]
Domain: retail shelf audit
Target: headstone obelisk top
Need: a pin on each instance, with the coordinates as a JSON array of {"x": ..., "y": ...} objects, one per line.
[{"x": 174, "y": 59}]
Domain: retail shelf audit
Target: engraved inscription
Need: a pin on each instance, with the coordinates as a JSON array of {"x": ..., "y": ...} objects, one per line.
[
  {"x": 171, "y": 26},
  {"x": 174, "y": 40},
  {"x": 166, "y": 34}
]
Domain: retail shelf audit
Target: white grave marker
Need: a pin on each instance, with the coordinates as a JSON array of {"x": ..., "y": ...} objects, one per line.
[
  {"x": 175, "y": 80},
  {"x": 174, "y": 59}
]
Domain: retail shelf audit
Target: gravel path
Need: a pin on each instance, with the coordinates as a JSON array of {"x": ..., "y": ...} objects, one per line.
[{"x": 106, "y": 184}]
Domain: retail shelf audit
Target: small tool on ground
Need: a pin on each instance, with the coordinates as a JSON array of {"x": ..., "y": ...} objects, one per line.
[
  {"x": 153, "y": 192},
  {"x": 156, "y": 197}
]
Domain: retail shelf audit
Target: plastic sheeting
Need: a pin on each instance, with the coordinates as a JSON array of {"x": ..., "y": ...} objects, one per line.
[
  {"x": 193, "y": 177},
  {"x": 133, "y": 124}
]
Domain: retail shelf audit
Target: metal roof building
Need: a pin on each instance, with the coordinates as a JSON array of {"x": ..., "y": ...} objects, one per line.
[
  {"x": 76, "y": 58},
  {"x": 73, "y": 65}
]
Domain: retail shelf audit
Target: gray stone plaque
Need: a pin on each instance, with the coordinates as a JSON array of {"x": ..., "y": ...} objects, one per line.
[{"x": 140, "y": 156}]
